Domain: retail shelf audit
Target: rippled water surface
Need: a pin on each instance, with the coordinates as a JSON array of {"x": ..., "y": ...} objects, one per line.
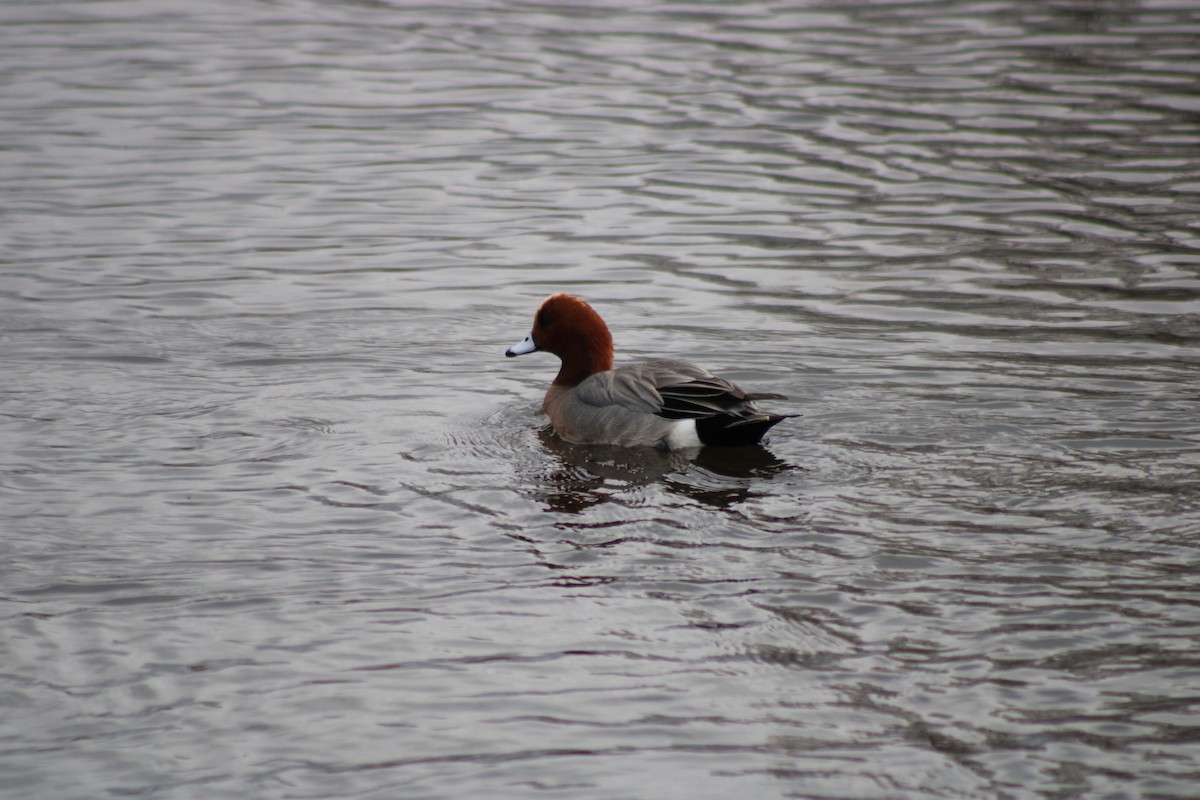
[{"x": 279, "y": 520}]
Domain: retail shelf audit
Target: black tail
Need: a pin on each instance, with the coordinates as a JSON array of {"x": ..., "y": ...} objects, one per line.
[{"x": 726, "y": 429}]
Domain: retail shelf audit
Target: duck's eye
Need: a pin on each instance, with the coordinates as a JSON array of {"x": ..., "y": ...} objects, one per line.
[{"x": 544, "y": 318}]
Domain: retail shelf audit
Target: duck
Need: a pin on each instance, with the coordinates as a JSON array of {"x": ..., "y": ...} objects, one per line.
[{"x": 665, "y": 403}]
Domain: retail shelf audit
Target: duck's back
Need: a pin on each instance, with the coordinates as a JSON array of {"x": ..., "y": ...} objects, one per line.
[{"x": 663, "y": 403}]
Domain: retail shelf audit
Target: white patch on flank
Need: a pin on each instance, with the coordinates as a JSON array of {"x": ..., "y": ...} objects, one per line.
[{"x": 683, "y": 435}]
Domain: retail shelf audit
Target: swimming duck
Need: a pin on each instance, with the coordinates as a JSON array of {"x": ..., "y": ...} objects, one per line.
[{"x": 666, "y": 403}]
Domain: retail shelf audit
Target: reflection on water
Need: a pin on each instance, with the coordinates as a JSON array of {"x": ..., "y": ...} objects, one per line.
[
  {"x": 581, "y": 476},
  {"x": 280, "y": 520}
]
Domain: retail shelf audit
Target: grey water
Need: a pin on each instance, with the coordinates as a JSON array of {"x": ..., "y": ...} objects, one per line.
[{"x": 279, "y": 520}]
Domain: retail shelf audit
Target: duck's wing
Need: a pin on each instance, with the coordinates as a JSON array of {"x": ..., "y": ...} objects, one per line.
[
  {"x": 634, "y": 388},
  {"x": 669, "y": 388}
]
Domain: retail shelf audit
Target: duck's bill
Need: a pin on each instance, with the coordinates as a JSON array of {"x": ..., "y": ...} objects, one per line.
[{"x": 522, "y": 347}]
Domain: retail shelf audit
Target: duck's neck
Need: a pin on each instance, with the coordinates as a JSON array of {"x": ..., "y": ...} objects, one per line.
[{"x": 584, "y": 358}]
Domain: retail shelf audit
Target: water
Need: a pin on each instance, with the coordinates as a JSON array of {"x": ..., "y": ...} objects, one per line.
[{"x": 280, "y": 520}]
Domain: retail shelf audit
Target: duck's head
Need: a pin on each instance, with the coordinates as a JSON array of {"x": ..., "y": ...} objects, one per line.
[{"x": 572, "y": 330}]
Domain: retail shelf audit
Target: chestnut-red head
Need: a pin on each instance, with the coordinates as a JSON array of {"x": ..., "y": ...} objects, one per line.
[{"x": 571, "y": 329}]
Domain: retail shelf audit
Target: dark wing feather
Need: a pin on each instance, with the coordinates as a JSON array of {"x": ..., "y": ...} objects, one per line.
[{"x": 704, "y": 398}]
